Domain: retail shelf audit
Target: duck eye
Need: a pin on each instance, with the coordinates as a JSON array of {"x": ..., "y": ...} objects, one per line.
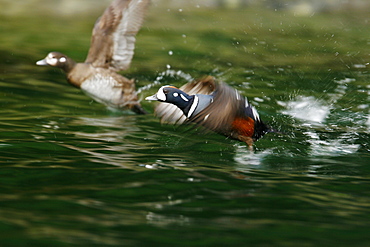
[{"x": 165, "y": 91}]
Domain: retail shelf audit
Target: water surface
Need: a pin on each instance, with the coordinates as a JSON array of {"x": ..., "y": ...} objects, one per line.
[{"x": 75, "y": 173}]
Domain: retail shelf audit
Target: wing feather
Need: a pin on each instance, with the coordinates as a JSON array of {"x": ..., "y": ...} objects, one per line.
[
  {"x": 113, "y": 37},
  {"x": 227, "y": 105}
]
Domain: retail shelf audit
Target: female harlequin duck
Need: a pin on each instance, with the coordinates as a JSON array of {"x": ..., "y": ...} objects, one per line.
[
  {"x": 111, "y": 50},
  {"x": 215, "y": 106}
]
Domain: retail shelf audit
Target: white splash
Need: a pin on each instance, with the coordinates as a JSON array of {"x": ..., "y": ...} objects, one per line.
[
  {"x": 332, "y": 147},
  {"x": 246, "y": 159},
  {"x": 170, "y": 73},
  {"x": 306, "y": 108}
]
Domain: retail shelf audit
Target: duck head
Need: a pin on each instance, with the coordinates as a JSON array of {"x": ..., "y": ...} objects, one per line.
[
  {"x": 173, "y": 95},
  {"x": 57, "y": 59}
]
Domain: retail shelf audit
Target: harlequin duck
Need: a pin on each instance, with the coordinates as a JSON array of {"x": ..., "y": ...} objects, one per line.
[
  {"x": 111, "y": 50},
  {"x": 213, "y": 105}
]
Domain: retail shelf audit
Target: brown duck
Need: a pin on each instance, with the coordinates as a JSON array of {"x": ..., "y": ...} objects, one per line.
[{"x": 111, "y": 50}]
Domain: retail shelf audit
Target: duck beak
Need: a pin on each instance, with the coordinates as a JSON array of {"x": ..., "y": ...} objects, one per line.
[
  {"x": 153, "y": 97},
  {"x": 42, "y": 62}
]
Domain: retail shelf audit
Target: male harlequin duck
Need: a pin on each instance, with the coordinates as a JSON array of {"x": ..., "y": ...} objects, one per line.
[
  {"x": 111, "y": 50},
  {"x": 213, "y": 105}
]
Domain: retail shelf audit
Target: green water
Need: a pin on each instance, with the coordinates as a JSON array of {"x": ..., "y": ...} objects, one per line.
[{"x": 74, "y": 173}]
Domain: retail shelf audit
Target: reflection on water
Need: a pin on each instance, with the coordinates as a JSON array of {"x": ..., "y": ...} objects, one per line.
[{"x": 102, "y": 143}]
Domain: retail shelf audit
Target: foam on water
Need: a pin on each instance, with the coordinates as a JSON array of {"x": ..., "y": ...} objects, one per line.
[
  {"x": 311, "y": 109},
  {"x": 332, "y": 147},
  {"x": 245, "y": 157},
  {"x": 306, "y": 108}
]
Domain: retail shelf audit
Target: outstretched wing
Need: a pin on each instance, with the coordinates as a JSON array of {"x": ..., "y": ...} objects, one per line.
[
  {"x": 231, "y": 114},
  {"x": 113, "y": 37},
  {"x": 219, "y": 116},
  {"x": 170, "y": 113}
]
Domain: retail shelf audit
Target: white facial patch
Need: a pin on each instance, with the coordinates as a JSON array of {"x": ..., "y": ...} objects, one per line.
[
  {"x": 175, "y": 94},
  {"x": 62, "y": 59},
  {"x": 51, "y": 60},
  {"x": 183, "y": 97},
  {"x": 160, "y": 94}
]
